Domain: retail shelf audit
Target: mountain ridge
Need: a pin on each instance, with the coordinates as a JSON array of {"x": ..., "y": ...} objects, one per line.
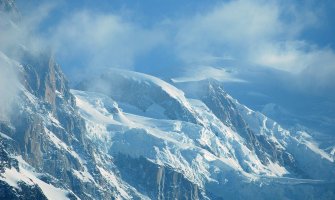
[
  {"x": 127, "y": 135},
  {"x": 194, "y": 151}
]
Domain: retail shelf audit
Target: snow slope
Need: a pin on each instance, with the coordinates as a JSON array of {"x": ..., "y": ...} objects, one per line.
[
  {"x": 141, "y": 93},
  {"x": 209, "y": 152},
  {"x": 26, "y": 174}
]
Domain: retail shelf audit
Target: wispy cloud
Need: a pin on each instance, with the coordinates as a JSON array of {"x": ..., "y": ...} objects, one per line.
[
  {"x": 17, "y": 34},
  {"x": 8, "y": 86},
  {"x": 261, "y": 33},
  {"x": 227, "y": 29},
  {"x": 199, "y": 73},
  {"x": 258, "y": 33},
  {"x": 100, "y": 40}
]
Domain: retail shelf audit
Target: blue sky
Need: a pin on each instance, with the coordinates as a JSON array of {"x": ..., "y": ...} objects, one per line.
[
  {"x": 159, "y": 34},
  {"x": 266, "y": 51}
]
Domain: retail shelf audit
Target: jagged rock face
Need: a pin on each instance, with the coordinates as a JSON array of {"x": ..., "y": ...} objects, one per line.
[
  {"x": 5, "y": 159},
  {"x": 26, "y": 192},
  {"x": 178, "y": 146},
  {"x": 219, "y": 101},
  {"x": 43, "y": 78},
  {"x": 183, "y": 159},
  {"x": 157, "y": 182},
  {"x": 167, "y": 147},
  {"x": 30, "y": 134},
  {"x": 46, "y": 131},
  {"x": 211, "y": 92}
]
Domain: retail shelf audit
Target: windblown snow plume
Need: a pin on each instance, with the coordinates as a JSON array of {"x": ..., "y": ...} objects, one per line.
[{"x": 8, "y": 86}]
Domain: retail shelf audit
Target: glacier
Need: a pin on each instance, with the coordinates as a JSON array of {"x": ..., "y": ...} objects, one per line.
[
  {"x": 122, "y": 134},
  {"x": 144, "y": 138}
]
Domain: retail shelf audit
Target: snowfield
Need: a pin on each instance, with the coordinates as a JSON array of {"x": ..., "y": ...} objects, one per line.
[{"x": 209, "y": 152}]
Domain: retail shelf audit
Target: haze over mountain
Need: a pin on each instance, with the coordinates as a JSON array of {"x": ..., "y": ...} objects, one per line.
[
  {"x": 155, "y": 106},
  {"x": 282, "y": 50}
]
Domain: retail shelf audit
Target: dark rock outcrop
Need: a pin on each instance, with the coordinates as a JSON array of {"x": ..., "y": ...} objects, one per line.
[{"x": 157, "y": 182}]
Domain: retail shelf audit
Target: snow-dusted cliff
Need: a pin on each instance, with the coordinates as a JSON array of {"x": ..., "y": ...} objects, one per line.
[{"x": 126, "y": 135}]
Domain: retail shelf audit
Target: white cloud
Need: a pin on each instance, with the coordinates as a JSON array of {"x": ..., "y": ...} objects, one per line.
[
  {"x": 22, "y": 32},
  {"x": 207, "y": 72},
  {"x": 8, "y": 86},
  {"x": 261, "y": 33},
  {"x": 17, "y": 33},
  {"x": 102, "y": 40},
  {"x": 228, "y": 29}
]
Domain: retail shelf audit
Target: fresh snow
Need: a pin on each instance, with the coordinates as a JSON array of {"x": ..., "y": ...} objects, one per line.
[
  {"x": 85, "y": 176},
  {"x": 61, "y": 145},
  {"x": 171, "y": 142},
  {"x": 306, "y": 139},
  {"x": 206, "y": 151},
  {"x": 5, "y": 136},
  {"x": 141, "y": 88},
  {"x": 114, "y": 180},
  {"x": 202, "y": 151},
  {"x": 140, "y": 77},
  {"x": 28, "y": 176}
]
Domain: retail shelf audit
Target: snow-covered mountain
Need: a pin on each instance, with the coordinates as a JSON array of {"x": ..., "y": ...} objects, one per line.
[
  {"x": 126, "y": 135},
  {"x": 228, "y": 148}
]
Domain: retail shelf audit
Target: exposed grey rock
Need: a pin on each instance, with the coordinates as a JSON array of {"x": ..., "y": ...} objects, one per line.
[
  {"x": 34, "y": 133},
  {"x": 211, "y": 92},
  {"x": 26, "y": 192},
  {"x": 157, "y": 182}
]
